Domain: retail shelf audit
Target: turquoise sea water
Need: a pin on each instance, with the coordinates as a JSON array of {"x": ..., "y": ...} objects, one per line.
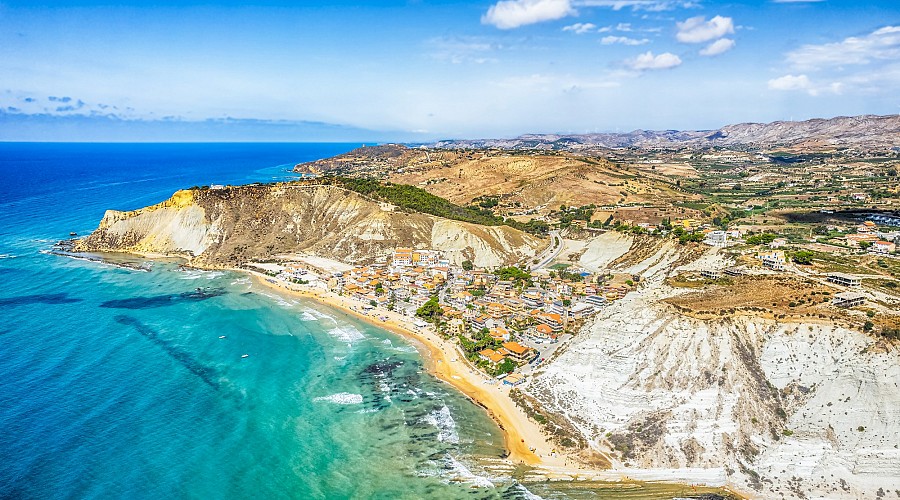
[{"x": 115, "y": 383}]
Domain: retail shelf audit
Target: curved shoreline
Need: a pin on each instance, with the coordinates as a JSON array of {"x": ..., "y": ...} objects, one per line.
[{"x": 521, "y": 435}]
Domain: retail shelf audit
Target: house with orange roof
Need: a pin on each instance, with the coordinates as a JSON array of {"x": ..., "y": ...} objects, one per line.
[{"x": 519, "y": 353}]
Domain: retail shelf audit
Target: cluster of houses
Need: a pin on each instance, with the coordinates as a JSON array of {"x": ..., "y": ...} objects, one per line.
[{"x": 474, "y": 300}]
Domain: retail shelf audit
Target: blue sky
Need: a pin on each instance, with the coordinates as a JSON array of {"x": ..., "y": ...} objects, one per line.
[{"x": 421, "y": 69}]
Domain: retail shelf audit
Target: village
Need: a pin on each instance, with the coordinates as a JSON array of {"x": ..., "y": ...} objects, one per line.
[{"x": 507, "y": 321}]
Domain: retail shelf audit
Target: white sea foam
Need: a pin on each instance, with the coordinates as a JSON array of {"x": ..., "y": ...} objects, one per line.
[
  {"x": 386, "y": 390},
  {"x": 443, "y": 420},
  {"x": 280, "y": 300},
  {"x": 459, "y": 472},
  {"x": 368, "y": 410},
  {"x": 241, "y": 281},
  {"x": 307, "y": 316},
  {"x": 346, "y": 333},
  {"x": 317, "y": 314},
  {"x": 341, "y": 398},
  {"x": 7, "y": 256}
]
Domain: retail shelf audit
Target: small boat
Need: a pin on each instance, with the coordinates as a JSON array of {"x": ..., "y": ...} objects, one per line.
[
  {"x": 245, "y": 356},
  {"x": 221, "y": 336},
  {"x": 73, "y": 233}
]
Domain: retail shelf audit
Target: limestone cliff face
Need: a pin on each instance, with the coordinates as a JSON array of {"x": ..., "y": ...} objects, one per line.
[
  {"x": 794, "y": 409},
  {"x": 233, "y": 225}
]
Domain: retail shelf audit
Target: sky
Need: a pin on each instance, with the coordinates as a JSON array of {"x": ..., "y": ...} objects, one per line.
[{"x": 417, "y": 70}]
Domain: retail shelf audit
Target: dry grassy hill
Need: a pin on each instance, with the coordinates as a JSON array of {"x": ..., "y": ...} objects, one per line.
[{"x": 520, "y": 180}]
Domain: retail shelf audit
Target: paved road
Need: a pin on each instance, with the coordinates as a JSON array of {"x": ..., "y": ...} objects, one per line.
[{"x": 550, "y": 253}]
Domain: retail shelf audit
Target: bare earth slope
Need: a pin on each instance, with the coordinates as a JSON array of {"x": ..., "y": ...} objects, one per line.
[
  {"x": 525, "y": 181},
  {"x": 237, "y": 224},
  {"x": 792, "y": 408}
]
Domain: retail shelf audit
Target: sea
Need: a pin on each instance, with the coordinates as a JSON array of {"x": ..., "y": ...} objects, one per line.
[{"x": 131, "y": 378}]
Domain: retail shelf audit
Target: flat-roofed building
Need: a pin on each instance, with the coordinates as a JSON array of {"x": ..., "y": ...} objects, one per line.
[
  {"x": 844, "y": 279},
  {"x": 848, "y": 299}
]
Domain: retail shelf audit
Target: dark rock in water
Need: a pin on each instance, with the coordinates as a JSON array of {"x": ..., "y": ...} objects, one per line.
[
  {"x": 45, "y": 298},
  {"x": 163, "y": 300}
]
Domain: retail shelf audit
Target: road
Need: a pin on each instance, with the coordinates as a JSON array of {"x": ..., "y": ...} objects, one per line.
[{"x": 550, "y": 253}]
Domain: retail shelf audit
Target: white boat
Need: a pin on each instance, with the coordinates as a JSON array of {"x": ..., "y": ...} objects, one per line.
[
  {"x": 221, "y": 336},
  {"x": 245, "y": 356}
]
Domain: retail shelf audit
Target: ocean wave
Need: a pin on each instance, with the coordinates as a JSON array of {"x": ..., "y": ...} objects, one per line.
[
  {"x": 386, "y": 390},
  {"x": 279, "y": 300},
  {"x": 307, "y": 316},
  {"x": 7, "y": 256},
  {"x": 346, "y": 334},
  {"x": 457, "y": 471},
  {"x": 315, "y": 314},
  {"x": 443, "y": 420},
  {"x": 341, "y": 398},
  {"x": 368, "y": 410}
]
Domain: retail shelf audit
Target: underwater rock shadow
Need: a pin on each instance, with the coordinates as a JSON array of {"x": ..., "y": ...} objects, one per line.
[
  {"x": 154, "y": 301},
  {"x": 41, "y": 298},
  {"x": 208, "y": 375}
]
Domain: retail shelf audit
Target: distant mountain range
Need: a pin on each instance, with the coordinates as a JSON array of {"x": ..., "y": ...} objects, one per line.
[{"x": 860, "y": 132}]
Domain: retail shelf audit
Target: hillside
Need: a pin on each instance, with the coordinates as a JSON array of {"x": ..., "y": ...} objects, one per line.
[
  {"x": 522, "y": 182},
  {"x": 795, "y": 406},
  {"x": 863, "y": 132},
  {"x": 223, "y": 227}
]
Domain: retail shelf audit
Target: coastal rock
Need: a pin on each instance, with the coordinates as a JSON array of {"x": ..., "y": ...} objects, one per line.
[
  {"x": 236, "y": 224},
  {"x": 755, "y": 401}
]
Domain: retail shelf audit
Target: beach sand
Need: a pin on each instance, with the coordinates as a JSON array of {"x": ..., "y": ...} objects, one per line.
[
  {"x": 445, "y": 361},
  {"x": 521, "y": 435}
]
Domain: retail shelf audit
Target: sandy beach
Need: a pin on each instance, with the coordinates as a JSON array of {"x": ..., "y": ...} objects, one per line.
[
  {"x": 524, "y": 440},
  {"x": 445, "y": 361}
]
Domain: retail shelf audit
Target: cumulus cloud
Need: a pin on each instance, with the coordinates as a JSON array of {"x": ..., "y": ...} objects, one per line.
[
  {"x": 580, "y": 28},
  {"x": 699, "y": 30},
  {"x": 803, "y": 83},
  {"x": 509, "y": 14},
  {"x": 882, "y": 44},
  {"x": 720, "y": 46},
  {"x": 647, "y": 61},
  {"x": 623, "y": 40}
]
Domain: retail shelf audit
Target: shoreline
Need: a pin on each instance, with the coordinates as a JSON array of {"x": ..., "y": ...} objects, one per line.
[
  {"x": 520, "y": 434},
  {"x": 443, "y": 361}
]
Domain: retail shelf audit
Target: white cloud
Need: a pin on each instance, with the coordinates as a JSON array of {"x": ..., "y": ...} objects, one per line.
[
  {"x": 647, "y": 60},
  {"x": 803, "y": 83},
  {"x": 881, "y": 45},
  {"x": 580, "y": 28},
  {"x": 720, "y": 46},
  {"x": 509, "y": 14},
  {"x": 699, "y": 30},
  {"x": 624, "y": 40},
  {"x": 625, "y": 27}
]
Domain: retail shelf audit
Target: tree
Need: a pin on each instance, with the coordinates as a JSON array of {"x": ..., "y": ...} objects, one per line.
[
  {"x": 803, "y": 257},
  {"x": 506, "y": 366},
  {"x": 867, "y": 326},
  {"x": 467, "y": 265},
  {"x": 430, "y": 311},
  {"x": 865, "y": 245},
  {"x": 567, "y": 302}
]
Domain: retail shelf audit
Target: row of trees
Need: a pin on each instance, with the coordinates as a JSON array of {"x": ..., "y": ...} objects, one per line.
[{"x": 419, "y": 200}]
